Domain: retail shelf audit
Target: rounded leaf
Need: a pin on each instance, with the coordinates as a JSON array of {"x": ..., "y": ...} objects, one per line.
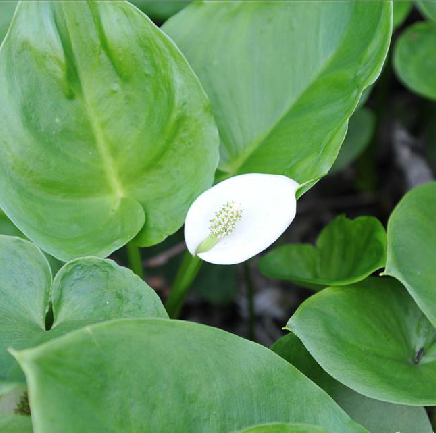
[
  {"x": 268, "y": 206},
  {"x": 414, "y": 58},
  {"x": 372, "y": 337},
  {"x": 106, "y": 133},
  {"x": 85, "y": 291}
]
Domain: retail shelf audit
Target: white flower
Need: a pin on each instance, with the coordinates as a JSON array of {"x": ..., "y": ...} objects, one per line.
[{"x": 240, "y": 217}]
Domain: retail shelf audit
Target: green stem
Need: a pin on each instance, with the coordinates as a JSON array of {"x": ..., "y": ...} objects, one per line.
[
  {"x": 134, "y": 257},
  {"x": 186, "y": 274},
  {"x": 250, "y": 301}
]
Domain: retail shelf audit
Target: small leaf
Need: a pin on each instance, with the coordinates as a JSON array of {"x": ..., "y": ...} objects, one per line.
[
  {"x": 414, "y": 59},
  {"x": 180, "y": 377},
  {"x": 412, "y": 246},
  {"x": 85, "y": 291},
  {"x": 346, "y": 251},
  {"x": 375, "y": 415},
  {"x": 372, "y": 337}
]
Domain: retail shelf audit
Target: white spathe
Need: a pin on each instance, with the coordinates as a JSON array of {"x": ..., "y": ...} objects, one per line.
[{"x": 268, "y": 205}]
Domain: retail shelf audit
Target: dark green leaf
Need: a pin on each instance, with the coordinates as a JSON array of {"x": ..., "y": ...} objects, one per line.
[
  {"x": 160, "y": 10},
  {"x": 401, "y": 10},
  {"x": 346, "y": 251}
]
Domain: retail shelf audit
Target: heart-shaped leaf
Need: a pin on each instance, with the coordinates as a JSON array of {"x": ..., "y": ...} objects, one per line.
[
  {"x": 427, "y": 8},
  {"x": 412, "y": 246},
  {"x": 414, "y": 58},
  {"x": 85, "y": 291},
  {"x": 360, "y": 131},
  {"x": 375, "y": 415},
  {"x": 346, "y": 251},
  {"x": 283, "y": 110},
  {"x": 106, "y": 133},
  {"x": 284, "y": 428},
  {"x": 15, "y": 424},
  {"x": 372, "y": 337},
  {"x": 180, "y": 377}
]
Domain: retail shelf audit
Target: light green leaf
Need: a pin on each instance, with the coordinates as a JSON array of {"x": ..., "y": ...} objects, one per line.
[
  {"x": 15, "y": 424},
  {"x": 360, "y": 131},
  {"x": 372, "y": 337},
  {"x": 401, "y": 10},
  {"x": 283, "y": 110},
  {"x": 7, "y": 9},
  {"x": 412, "y": 246},
  {"x": 414, "y": 58},
  {"x": 160, "y": 10},
  {"x": 180, "y": 377},
  {"x": 427, "y": 8},
  {"x": 346, "y": 251},
  {"x": 375, "y": 415},
  {"x": 106, "y": 133},
  {"x": 8, "y": 228},
  {"x": 85, "y": 291},
  {"x": 284, "y": 428}
]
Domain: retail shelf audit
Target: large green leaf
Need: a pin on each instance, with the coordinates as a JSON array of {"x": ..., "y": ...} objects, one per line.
[
  {"x": 85, "y": 291},
  {"x": 179, "y": 377},
  {"x": 412, "y": 246},
  {"x": 372, "y": 337},
  {"x": 415, "y": 59},
  {"x": 160, "y": 10},
  {"x": 360, "y": 131},
  {"x": 15, "y": 424},
  {"x": 283, "y": 77},
  {"x": 284, "y": 428},
  {"x": 104, "y": 129},
  {"x": 375, "y": 415},
  {"x": 7, "y": 9},
  {"x": 428, "y": 9},
  {"x": 346, "y": 251}
]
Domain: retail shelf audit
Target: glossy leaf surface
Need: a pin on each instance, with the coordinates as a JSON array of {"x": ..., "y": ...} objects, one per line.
[
  {"x": 283, "y": 111},
  {"x": 181, "y": 377},
  {"x": 375, "y": 415},
  {"x": 372, "y": 337},
  {"x": 346, "y": 251},
  {"x": 106, "y": 133},
  {"x": 412, "y": 246},
  {"x": 415, "y": 59},
  {"x": 85, "y": 291}
]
